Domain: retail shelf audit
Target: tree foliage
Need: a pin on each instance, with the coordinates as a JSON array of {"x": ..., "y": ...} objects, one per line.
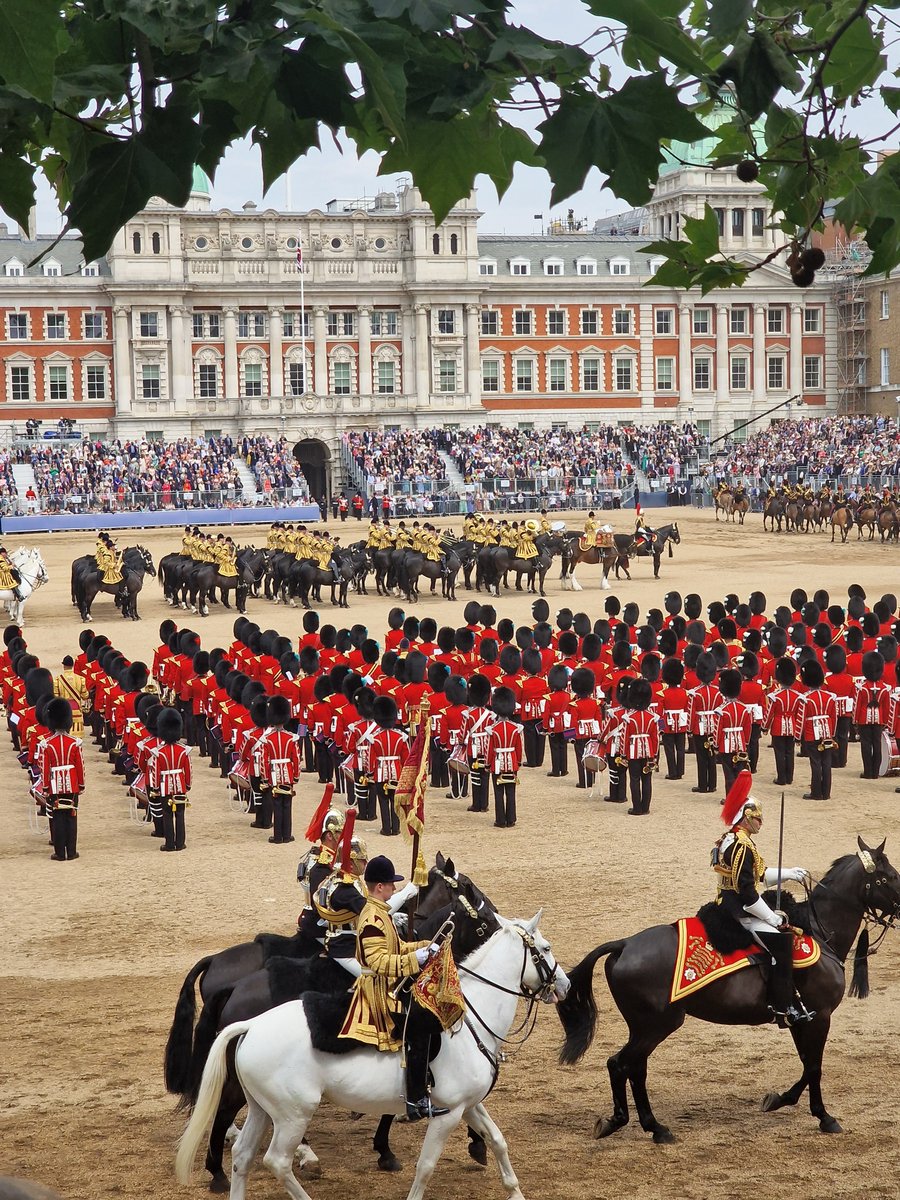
[{"x": 115, "y": 100}]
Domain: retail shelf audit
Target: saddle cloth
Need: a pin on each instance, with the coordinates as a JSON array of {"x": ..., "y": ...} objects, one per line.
[
  {"x": 698, "y": 963},
  {"x": 602, "y": 541}
]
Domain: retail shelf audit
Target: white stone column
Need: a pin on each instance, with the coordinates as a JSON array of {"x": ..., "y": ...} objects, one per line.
[
  {"x": 124, "y": 392},
  {"x": 473, "y": 354},
  {"x": 759, "y": 356},
  {"x": 423, "y": 355},
  {"x": 181, "y": 387},
  {"x": 795, "y": 378},
  {"x": 232, "y": 387},
  {"x": 320, "y": 351},
  {"x": 723, "y": 391},
  {"x": 276, "y": 353},
  {"x": 407, "y": 365},
  {"x": 685, "y": 363},
  {"x": 647, "y": 362},
  {"x": 365, "y": 351}
]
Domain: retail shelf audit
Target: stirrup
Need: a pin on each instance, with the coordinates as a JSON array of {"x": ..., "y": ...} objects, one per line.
[
  {"x": 418, "y": 1110},
  {"x": 792, "y": 1015}
]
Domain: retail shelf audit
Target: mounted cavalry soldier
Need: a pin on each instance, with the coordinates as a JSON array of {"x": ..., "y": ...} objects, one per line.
[
  {"x": 9, "y": 576},
  {"x": 375, "y": 1017},
  {"x": 526, "y": 547},
  {"x": 740, "y": 870},
  {"x": 341, "y": 898}
]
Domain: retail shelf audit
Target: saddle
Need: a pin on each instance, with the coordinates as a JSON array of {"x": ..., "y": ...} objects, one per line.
[{"x": 602, "y": 541}]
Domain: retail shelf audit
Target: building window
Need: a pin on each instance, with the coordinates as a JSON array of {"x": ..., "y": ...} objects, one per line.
[
  {"x": 447, "y": 375},
  {"x": 490, "y": 322},
  {"x": 59, "y": 383},
  {"x": 95, "y": 383},
  {"x": 702, "y": 373},
  {"x": 297, "y": 378},
  {"x": 215, "y": 325},
  {"x": 340, "y": 324},
  {"x": 522, "y": 323},
  {"x": 740, "y": 373},
  {"x": 737, "y": 222},
  {"x": 622, "y": 321},
  {"x": 490, "y": 375},
  {"x": 342, "y": 378},
  {"x": 208, "y": 380},
  {"x": 435, "y": 243},
  {"x": 136, "y": 243},
  {"x": 701, "y": 320},
  {"x": 885, "y": 306},
  {"x": 586, "y": 266},
  {"x": 446, "y": 320},
  {"x": 17, "y": 326},
  {"x": 251, "y": 324},
  {"x": 590, "y": 375},
  {"x": 665, "y": 374},
  {"x": 293, "y": 322},
  {"x": 619, "y": 266},
  {"x": 553, "y": 266},
  {"x": 454, "y": 243},
  {"x": 812, "y": 372},
  {"x": 885, "y": 367},
  {"x": 776, "y": 375},
  {"x": 758, "y": 221},
  {"x": 665, "y": 322},
  {"x": 524, "y": 375},
  {"x": 387, "y": 375},
  {"x": 720, "y": 220},
  {"x": 520, "y": 266},
  {"x": 150, "y": 382},
  {"x": 89, "y": 270},
  {"x": 253, "y": 379},
  {"x": 20, "y": 383},
  {"x": 590, "y": 321},
  {"x": 487, "y": 266},
  {"x": 384, "y": 324},
  {"x": 148, "y": 324},
  {"x": 739, "y": 320},
  {"x": 812, "y": 320},
  {"x": 13, "y": 267},
  {"x": 623, "y": 374},
  {"x": 93, "y": 325},
  {"x": 556, "y": 322},
  {"x": 776, "y": 320},
  {"x": 155, "y": 244},
  {"x": 558, "y": 374},
  {"x": 197, "y": 325},
  {"x": 56, "y": 326}
]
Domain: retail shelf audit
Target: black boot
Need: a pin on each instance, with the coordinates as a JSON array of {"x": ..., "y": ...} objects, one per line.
[
  {"x": 418, "y": 1042},
  {"x": 786, "y": 1007}
]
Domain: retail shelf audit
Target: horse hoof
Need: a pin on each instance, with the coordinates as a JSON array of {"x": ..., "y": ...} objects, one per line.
[
  {"x": 772, "y": 1102},
  {"x": 663, "y": 1136},
  {"x": 219, "y": 1185},
  {"x": 830, "y": 1125},
  {"x": 311, "y": 1170},
  {"x": 389, "y": 1162},
  {"x": 604, "y": 1126},
  {"x": 478, "y": 1152},
  {"x": 605, "y": 585}
]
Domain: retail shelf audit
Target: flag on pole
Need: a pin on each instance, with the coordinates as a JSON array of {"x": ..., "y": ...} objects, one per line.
[
  {"x": 438, "y": 990},
  {"x": 299, "y": 256},
  {"x": 409, "y": 796}
]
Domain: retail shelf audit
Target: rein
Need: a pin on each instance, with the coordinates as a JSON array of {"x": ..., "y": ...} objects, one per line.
[{"x": 870, "y": 917}]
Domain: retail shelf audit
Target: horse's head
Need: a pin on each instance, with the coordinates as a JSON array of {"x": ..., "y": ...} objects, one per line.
[
  {"x": 445, "y": 883},
  {"x": 881, "y": 884},
  {"x": 675, "y": 536},
  {"x": 542, "y": 976},
  {"x": 147, "y": 560}
]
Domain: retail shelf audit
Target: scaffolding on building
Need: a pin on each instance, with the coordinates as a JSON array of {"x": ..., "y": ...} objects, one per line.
[{"x": 846, "y": 265}]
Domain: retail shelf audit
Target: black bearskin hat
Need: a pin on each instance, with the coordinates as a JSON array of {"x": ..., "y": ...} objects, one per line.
[
  {"x": 310, "y": 622},
  {"x": 437, "y": 675},
  {"x": 532, "y": 663},
  {"x": 479, "y": 690},
  {"x": 705, "y": 668},
  {"x": 621, "y": 656},
  {"x": 812, "y": 674},
  {"x": 38, "y": 682},
  {"x": 510, "y": 660},
  {"x": 471, "y": 612},
  {"x": 835, "y": 659},
  {"x": 785, "y": 672},
  {"x": 278, "y": 710},
  {"x": 672, "y": 603},
  {"x": 168, "y": 627},
  {"x": 464, "y": 640},
  {"x": 384, "y": 712},
  {"x": 169, "y": 726},
  {"x": 693, "y": 606},
  {"x": 259, "y": 712},
  {"x": 672, "y": 672},
  {"x": 524, "y": 637},
  {"x": 748, "y": 664},
  {"x": 730, "y": 683},
  {"x": 323, "y": 687},
  {"x": 640, "y": 694},
  {"x": 540, "y": 610},
  {"x": 564, "y": 618},
  {"x": 650, "y": 667},
  {"x": 455, "y": 689},
  {"x": 487, "y": 616},
  {"x": 568, "y": 643},
  {"x": 57, "y": 715},
  {"x": 583, "y": 682},
  {"x": 503, "y": 702},
  {"x": 557, "y": 678}
]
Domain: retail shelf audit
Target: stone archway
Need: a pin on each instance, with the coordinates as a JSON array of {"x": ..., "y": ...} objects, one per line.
[{"x": 314, "y": 459}]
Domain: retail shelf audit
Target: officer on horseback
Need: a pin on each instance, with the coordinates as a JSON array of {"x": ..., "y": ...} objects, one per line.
[
  {"x": 375, "y": 1011},
  {"x": 9, "y": 576},
  {"x": 740, "y": 870}
]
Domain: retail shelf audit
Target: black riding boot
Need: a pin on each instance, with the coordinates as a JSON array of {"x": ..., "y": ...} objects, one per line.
[
  {"x": 420, "y": 1029},
  {"x": 786, "y": 1007}
]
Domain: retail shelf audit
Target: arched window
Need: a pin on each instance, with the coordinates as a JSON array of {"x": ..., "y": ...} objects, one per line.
[
  {"x": 454, "y": 244},
  {"x": 155, "y": 243},
  {"x": 436, "y": 244},
  {"x": 136, "y": 242}
]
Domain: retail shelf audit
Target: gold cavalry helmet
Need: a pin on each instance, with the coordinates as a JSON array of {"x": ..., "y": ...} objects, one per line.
[
  {"x": 333, "y": 822},
  {"x": 359, "y": 852}
]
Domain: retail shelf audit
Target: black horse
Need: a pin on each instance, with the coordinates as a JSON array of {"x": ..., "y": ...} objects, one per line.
[
  {"x": 87, "y": 581},
  {"x": 638, "y": 547},
  {"x": 495, "y": 562},
  {"x": 312, "y": 577},
  {"x": 862, "y": 887}
]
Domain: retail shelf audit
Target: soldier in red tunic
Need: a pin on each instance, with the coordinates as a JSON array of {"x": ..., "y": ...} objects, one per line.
[
  {"x": 534, "y": 693},
  {"x": 390, "y": 750},
  {"x": 62, "y": 777},
  {"x": 558, "y": 719},
  {"x": 703, "y": 701},
  {"x": 675, "y": 717},
  {"x": 170, "y": 776},
  {"x": 587, "y": 714},
  {"x": 734, "y": 726},
  {"x": 505, "y": 751},
  {"x": 476, "y": 726},
  {"x": 640, "y": 745},
  {"x": 281, "y": 766},
  {"x": 780, "y": 719},
  {"x": 871, "y": 713},
  {"x": 816, "y": 725}
]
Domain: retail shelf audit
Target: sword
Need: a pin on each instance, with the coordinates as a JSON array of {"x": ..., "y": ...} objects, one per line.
[{"x": 780, "y": 855}]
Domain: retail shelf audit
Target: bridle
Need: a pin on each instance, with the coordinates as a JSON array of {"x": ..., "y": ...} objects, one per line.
[
  {"x": 35, "y": 581},
  {"x": 884, "y": 919}
]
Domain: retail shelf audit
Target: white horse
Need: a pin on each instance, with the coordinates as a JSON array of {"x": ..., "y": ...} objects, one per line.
[
  {"x": 33, "y": 573},
  {"x": 285, "y": 1078}
]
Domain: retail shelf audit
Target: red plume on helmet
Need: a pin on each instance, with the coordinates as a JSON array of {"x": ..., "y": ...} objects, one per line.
[
  {"x": 736, "y": 798},
  {"x": 314, "y": 829},
  {"x": 347, "y": 841}
]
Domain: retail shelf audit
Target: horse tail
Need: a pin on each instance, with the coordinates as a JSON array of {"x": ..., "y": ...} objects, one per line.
[
  {"x": 578, "y": 1012},
  {"x": 214, "y": 1074},
  {"x": 181, "y": 1035},
  {"x": 204, "y": 1036},
  {"x": 859, "y": 983}
]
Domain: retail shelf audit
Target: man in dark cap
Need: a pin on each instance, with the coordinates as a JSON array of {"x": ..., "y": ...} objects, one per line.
[{"x": 373, "y": 1018}]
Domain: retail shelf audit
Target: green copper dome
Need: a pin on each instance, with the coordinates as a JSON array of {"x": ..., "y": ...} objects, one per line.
[
  {"x": 201, "y": 182},
  {"x": 699, "y": 154}
]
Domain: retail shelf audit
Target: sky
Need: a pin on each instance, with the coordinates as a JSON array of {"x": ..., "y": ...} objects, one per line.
[{"x": 323, "y": 175}]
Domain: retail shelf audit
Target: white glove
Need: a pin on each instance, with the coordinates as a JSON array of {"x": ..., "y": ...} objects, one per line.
[
  {"x": 423, "y": 955},
  {"x": 788, "y": 875},
  {"x": 402, "y": 897},
  {"x": 760, "y": 909}
]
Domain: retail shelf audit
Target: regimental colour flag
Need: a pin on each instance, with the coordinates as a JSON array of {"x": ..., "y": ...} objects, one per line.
[{"x": 409, "y": 797}]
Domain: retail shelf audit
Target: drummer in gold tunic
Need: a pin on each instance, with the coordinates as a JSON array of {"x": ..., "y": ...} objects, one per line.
[
  {"x": 526, "y": 547},
  {"x": 590, "y": 531},
  {"x": 385, "y": 960}
]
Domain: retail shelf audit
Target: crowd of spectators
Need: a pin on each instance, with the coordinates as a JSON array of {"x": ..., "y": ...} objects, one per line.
[
  {"x": 384, "y": 459},
  {"x": 665, "y": 453},
  {"x": 850, "y": 449},
  {"x": 273, "y": 465}
]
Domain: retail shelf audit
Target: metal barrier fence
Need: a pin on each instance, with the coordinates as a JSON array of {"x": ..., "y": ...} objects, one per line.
[{"x": 104, "y": 502}]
